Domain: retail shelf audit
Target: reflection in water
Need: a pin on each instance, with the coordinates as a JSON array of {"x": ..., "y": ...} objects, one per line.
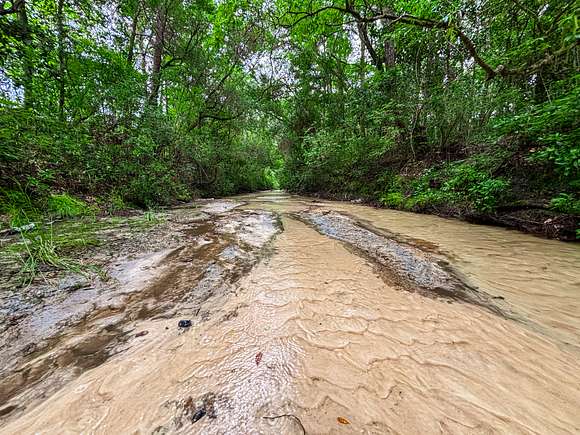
[{"x": 312, "y": 338}]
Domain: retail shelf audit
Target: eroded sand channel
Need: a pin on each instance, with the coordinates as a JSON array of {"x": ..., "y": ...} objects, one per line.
[{"x": 312, "y": 332}]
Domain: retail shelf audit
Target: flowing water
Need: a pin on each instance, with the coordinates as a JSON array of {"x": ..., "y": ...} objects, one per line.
[{"x": 328, "y": 317}]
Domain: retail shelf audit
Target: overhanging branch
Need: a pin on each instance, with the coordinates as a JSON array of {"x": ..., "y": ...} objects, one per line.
[{"x": 428, "y": 23}]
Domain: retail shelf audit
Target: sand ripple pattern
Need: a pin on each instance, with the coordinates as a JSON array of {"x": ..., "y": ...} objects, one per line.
[{"x": 334, "y": 341}]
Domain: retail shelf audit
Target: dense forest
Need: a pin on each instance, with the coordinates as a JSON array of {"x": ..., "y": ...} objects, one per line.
[{"x": 452, "y": 107}]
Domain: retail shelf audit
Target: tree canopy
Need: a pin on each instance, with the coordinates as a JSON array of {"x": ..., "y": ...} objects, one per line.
[{"x": 413, "y": 103}]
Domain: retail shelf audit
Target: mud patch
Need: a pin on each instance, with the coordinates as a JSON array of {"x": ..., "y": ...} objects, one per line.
[{"x": 68, "y": 337}]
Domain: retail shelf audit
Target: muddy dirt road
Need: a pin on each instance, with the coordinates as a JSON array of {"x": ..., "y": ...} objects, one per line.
[{"x": 307, "y": 317}]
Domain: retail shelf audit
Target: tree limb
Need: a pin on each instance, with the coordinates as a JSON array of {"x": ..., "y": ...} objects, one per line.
[
  {"x": 220, "y": 118},
  {"x": 364, "y": 37},
  {"x": 428, "y": 23}
]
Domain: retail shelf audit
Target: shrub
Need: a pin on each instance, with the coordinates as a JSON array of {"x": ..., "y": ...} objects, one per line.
[
  {"x": 487, "y": 193},
  {"x": 551, "y": 129},
  {"x": 65, "y": 206},
  {"x": 565, "y": 203},
  {"x": 426, "y": 199},
  {"x": 18, "y": 206},
  {"x": 466, "y": 181},
  {"x": 393, "y": 200}
]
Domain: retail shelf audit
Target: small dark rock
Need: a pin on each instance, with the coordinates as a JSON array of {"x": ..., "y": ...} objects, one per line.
[
  {"x": 28, "y": 349},
  {"x": 198, "y": 414},
  {"x": 141, "y": 334},
  {"x": 184, "y": 323},
  {"x": 203, "y": 406}
]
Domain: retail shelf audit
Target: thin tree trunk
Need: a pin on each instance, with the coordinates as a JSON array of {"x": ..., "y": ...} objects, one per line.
[
  {"x": 449, "y": 71},
  {"x": 362, "y": 59},
  {"x": 143, "y": 48},
  {"x": 132, "y": 36},
  {"x": 361, "y": 118},
  {"x": 364, "y": 36},
  {"x": 26, "y": 58},
  {"x": 390, "y": 54},
  {"x": 61, "y": 58},
  {"x": 143, "y": 51},
  {"x": 160, "y": 22}
]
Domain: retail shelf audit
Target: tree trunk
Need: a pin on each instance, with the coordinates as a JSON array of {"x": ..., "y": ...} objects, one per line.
[
  {"x": 362, "y": 59},
  {"x": 26, "y": 55},
  {"x": 160, "y": 22},
  {"x": 364, "y": 36},
  {"x": 132, "y": 36},
  {"x": 390, "y": 54},
  {"x": 61, "y": 58}
]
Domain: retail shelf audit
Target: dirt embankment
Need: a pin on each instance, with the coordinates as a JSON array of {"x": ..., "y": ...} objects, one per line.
[
  {"x": 65, "y": 324},
  {"x": 533, "y": 217}
]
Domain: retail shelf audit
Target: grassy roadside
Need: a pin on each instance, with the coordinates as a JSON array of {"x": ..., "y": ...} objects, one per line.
[{"x": 54, "y": 233}]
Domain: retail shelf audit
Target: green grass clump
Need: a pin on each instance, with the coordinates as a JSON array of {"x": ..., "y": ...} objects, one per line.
[
  {"x": 150, "y": 216},
  {"x": 148, "y": 219},
  {"x": 40, "y": 249},
  {"x": 49, "y": 248},
  {"x": 20, "y": 208},
  {"x": 17, "y": 205},
  {"x": 65, "y": 206}
]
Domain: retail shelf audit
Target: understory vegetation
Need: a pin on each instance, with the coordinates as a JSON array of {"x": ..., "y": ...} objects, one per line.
[
  {"x": 451, "y": 107},
  {"x": 111, "y": 105},
  {"x": 457, "y": 108}
]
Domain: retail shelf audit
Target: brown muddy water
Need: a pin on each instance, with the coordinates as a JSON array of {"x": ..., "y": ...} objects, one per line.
[{"x": 307, "y": 317}]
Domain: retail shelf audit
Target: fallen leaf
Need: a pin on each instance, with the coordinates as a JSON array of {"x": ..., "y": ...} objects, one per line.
[
  {"x": 188, "y": 405},
  {"x": 343, "y": 420},
  {"x": 258, "y": 358}
]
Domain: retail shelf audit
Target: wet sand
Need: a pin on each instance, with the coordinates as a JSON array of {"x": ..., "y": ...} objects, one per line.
[{"x": 315, "y": 338}]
